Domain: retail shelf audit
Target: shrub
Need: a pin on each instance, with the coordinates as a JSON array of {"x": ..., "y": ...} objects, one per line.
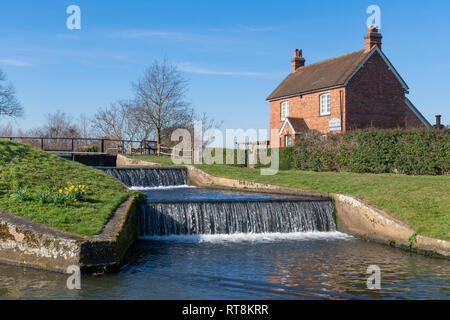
[
  {"x": 91, "y": 148},
  {"x": 287, "y": 158},
  {"x": 418, "y": 151}
]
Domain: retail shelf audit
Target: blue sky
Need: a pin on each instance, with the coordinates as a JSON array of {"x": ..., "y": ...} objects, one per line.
[{"x": 234, "y": 53}]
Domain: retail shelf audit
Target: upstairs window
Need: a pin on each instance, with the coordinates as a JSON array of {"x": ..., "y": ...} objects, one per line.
[
  {"x": 325, "y": 104},
  {"x": 284, "y": 110}
]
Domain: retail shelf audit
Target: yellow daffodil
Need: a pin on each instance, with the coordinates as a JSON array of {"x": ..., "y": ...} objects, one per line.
[{"x": 60, "y": 191}]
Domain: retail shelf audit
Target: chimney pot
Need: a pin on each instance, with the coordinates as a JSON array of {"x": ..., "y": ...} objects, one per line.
[{"x": 297, "y": 61}]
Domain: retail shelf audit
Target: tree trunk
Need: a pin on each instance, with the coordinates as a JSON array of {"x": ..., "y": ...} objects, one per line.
[{"x": 158, "y": 142}]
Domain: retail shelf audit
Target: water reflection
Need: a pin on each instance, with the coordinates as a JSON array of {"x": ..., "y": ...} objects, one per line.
[{"x": 287, "y": 269}]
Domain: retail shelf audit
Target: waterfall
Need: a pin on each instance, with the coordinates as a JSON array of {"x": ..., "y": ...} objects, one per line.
[
  {"x": 148, "y": 176},
  {"x": 170, "y": 213},
  {"x": 228, "y": 217}
]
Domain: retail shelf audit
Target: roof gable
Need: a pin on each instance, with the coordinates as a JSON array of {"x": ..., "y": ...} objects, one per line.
[
  {"x": 297, "y": 125},
  {"x": 388, "y": 63}
]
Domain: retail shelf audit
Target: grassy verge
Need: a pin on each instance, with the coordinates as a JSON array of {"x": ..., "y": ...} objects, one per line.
[
  {"x": 423, "y": 202},
  {"x": 34, "y": 171}
]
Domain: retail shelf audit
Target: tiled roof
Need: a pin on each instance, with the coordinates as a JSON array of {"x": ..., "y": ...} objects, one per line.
[
  {"x": 320, "y": 75},
  {"x": 298, "y": 124}
]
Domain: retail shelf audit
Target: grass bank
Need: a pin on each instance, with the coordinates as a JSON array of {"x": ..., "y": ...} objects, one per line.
[
  {"x": 423, "y": 202},
  {"x": 24, "y": 169}
]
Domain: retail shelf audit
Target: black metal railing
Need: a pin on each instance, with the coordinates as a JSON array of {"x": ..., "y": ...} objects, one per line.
[{"x": 88, "y": 145}]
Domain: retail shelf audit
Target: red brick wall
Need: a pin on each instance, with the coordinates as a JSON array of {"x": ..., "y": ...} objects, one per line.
[
  {"x": 376, "y": 98},
  {"x": 308, "y": 108}
]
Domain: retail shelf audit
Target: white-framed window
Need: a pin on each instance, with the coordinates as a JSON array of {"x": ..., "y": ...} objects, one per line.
[
  {"x": 284, "y": 110},
  {"x": 325, "y": 104},
  {"x": 288, "y": 140}
]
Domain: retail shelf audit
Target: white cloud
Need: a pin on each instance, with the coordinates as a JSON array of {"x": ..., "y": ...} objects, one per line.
[
  {"x": 14, "y": 62},
  {"x": 190, "y": 68}
]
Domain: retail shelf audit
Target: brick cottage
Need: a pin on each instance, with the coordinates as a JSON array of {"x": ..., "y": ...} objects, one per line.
[{"x": 354, "y": 91}]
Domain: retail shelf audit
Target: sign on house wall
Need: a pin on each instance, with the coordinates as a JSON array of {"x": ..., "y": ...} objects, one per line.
[{"x": 334, "y": 124}]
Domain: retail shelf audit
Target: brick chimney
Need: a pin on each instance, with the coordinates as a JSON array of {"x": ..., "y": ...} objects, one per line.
[
  {"x": 372, "y": 37},
  {"x": 438, "y": 121},
  {"x": 297, "y": 61}
]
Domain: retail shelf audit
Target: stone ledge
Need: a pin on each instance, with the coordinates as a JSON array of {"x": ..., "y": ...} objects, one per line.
[
  {"x": 363, "y": 220},
  {"x": 353, "y": 215},
  {"x": 27, "y": 243}
]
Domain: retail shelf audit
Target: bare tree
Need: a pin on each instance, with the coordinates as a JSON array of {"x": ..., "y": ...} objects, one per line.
[
  {"x": 207, "y": 123},
  {"x": 59, "y": 125},
  {"x": 110, "y": 122},
  {"x": 7, "y": 130},
  {"x": 119, "y": 122},
  {"x": 9, "y": 105},
  {"x": 84, "y": 126},
  {"x": 160, "y": 99}
]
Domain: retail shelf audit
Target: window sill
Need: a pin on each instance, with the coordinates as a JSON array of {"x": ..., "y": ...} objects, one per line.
[{"x": 325, "y": 115}]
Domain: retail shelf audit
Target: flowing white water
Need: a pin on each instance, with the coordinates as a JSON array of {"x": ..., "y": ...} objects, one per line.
[
  {"x": 182, "y": 186},
  {"x": 232, "y": 217},
  {"x": 148, "y": 176},
  {"x": 251, "y": 237}
]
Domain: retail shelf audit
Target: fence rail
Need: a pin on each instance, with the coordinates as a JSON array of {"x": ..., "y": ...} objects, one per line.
[{"x": 88, "y": 145}]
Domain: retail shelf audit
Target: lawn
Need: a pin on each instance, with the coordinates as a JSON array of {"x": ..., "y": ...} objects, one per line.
[
  {"x": 423, "y": 202},
  {"x": 32, "y": 170}
]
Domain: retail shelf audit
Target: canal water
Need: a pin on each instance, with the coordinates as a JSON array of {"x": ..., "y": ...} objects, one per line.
[
  {"x": 198, "y": 243},
  {"x": 302, "y": 266}
]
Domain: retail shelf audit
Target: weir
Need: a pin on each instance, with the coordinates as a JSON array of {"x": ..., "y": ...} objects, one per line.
[
  {"x": 228, "y": 217},
  {"x": 176, "y": 209},
  {"x": 148, "y": 177}
]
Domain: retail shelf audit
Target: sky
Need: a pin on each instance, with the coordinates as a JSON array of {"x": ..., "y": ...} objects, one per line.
[{"x": 233, "y": 53}]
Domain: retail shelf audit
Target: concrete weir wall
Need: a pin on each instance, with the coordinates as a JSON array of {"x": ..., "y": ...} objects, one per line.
[
  {"x": 26, "y": 243},
  {"x": 354, "y": 216}
]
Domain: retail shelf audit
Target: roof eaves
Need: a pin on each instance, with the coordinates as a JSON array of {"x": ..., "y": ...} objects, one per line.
[
  {"x": 419, "y": 115},
  {"x": 339, "y": 85},
  {"x": 386, "y": 60}
]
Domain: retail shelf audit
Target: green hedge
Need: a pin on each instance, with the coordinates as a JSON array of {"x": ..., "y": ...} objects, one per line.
[
  {"x": 417, "y": 152},
  {"x": 240, "y": 157}
]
